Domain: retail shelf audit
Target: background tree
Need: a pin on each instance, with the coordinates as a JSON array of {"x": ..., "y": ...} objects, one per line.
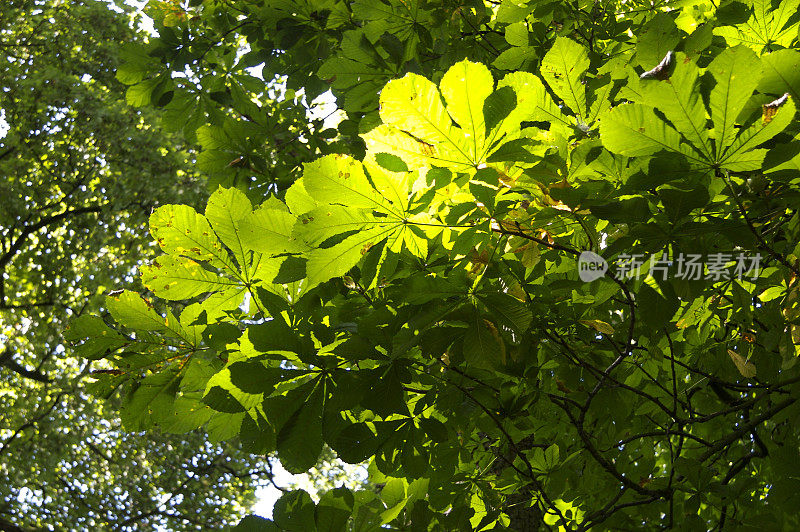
[
  {"x": 416, "y": 301},
  {"x": 81, "y": 173}
]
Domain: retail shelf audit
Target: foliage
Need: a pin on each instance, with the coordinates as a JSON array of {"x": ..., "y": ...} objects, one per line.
[
  {"x": 415, "y": 300},
  {"x": 81, "y": 172}
]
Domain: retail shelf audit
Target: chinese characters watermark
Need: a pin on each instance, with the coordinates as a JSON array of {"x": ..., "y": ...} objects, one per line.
[{"x": 689, "y": 266}]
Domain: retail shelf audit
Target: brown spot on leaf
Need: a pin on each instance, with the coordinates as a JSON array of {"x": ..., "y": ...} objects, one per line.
[{"x": 769, "y": 110}]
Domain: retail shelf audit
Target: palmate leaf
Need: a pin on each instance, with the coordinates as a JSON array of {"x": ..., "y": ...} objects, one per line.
[
  {"x": 196, "y": 244},
  {"x": 413, "y": 104},
  {"x": 680, "y": 100},
  {"x": 355, "y": 212},
  {"x": 226, "y": 211},
  {"x": 635, "y": 130},
  {"x": 299, "y": 441},
  {"x": 339, "y": 179},
  {"x": 768, "y": 25},
  {"x": 533, "y": 102},
  {"x": 132, "y": 310},
  {"x": 180, "y": 230},
  {"x": 423, "y": 131}
]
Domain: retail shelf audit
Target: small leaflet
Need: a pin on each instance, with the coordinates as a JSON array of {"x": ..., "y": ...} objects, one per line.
[{"x": 661, "y": 70}]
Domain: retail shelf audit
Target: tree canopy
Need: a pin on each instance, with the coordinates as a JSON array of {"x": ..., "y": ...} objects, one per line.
[
  {"x": 81, "y": 172},
  {"x": 543, "y": 273}
]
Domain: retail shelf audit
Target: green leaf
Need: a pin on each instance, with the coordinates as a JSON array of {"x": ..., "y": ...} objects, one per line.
[
  {"x": 334, "y": 509},
  {"x": 498, "y": 106},
  {"x": 737, "y": 72},
  {"x": 465, "y": 87},
  {"x": 510, "y": 311},
  {"x": 300, "y": 439},
  {"x": 680, "y": 202},
  {"x": 176, "y": 278},
  {"x": 761, "y": 131},
  {"x": 151, "y": 400},
  {"x": 98, "y": 339},
  {"x": 745, "y": 161},
  {"x": 781, "y": 73},
  {"x": 533, "y": 101},
  {"x": 255, "y": 523},
  {"x": 180, "y": 230},
  {"x": 635, "y": 130},
  {"x": 269, "y": 231},
  {"x": 659, "y": 36},
  {"x": 222, "y": 400},
  {"x": 417, "y": 127},
  {"x": 562, "y": 68},
  {"x": 141, "y": 94},
  {"x": 338, "y": 179},
  {"x": 355, "y": 443},
  {"x": 679, "y": 98},
  {"x": 767, "y": 27},
  {"x": 294, "y": 512},
  {"x": 132, "y": 310},
  {"x": 413, "y": 104},
  {"x": 656, "y": 309},
  {"x": 226, "y": 210},
  {"x": 188, "y": 414},
  {"x": 223, "y": 395},
  {"x": 481, "y": 350},
  {"x": 391, "y": 162}
]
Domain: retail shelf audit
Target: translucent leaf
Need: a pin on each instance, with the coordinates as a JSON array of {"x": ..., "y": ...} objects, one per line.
[
  {"x": 341, "y": 179},
  {"x": 180, "y": 230},
  {"x": 745, "y": 161},
  {"x": 781, "y": 73},
  {"x": 533, "y": 101},
  {"x": 634, "y": 129},
  {"x": 562, "y": 68},
  {"x": 414, "y": 152},
  {"x": 132, "y": 310},
  {"x": 737, "y": 72},
  {"x": 413, "y": 104},
  {"x": 761, "y": 131},
  {"x": 176, "y": 278},
  {"x": 680, "y": 100},
  {"x": 464, "y": 87},
  {"x": 659, "y": 36},
  {"x": 417, "y": 127},
  {"x": 269, "y": 231},
  {"x": 152, "y": 399},
  {"x": 335, "y": 261},
  {"x": 226, "y": 211}
]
